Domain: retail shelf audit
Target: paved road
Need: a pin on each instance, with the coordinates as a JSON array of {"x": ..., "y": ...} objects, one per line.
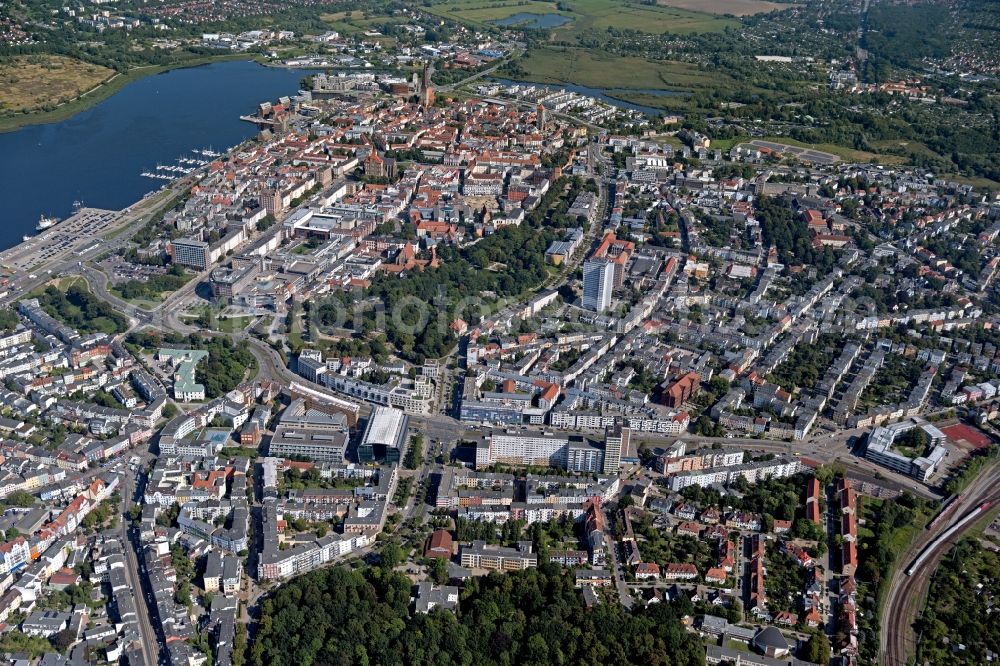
[
  {"x": 897, "y": 642},
  {"x": 99, "y": 284},
  {"x": 444, "y": 427},
  {"x": 148, "y": 641},
  {"x": 604, "y": 203},
  {"x": 478, "y": 75},
  {"x": 617, "y": 569},
  {"x": 440, "y": 426},
  {"x": 421, "y": 478},
  {"x": 132, "y": 220}
]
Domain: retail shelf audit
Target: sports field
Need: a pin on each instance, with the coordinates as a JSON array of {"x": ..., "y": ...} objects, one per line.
[
  {"x": 731, "y": 7},
  {"x": 32, "y": 82}
]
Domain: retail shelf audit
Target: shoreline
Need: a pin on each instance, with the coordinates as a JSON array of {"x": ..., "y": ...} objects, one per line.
[
  {"x": 138, "y": 212},
  {"x": 103, "y": 91}
]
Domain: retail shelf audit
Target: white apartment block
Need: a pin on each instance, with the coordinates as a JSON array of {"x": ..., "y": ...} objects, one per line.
[{"x": 522, "y": 448}]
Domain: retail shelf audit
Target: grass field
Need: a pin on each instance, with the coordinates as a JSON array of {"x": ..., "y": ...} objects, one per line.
[
  {"x": 905, "y": 147},
  {"x": 62, "y": 284},
  {"x": 345, "y": 28},
  {"x": 668, "y": 103},
  {"x": 349, "y": 22},
  {"x": 235, "y": 323},
  {"x": 589, "y": 15},
  {"x": 902, "y": 150},
  {"x": 845, "y": 153},
  {"x": 342, "y": 16},
  {"x": 595, "y": 69},
  {"x": 731, "y": 7},
  {"x": 974, "y": 181},
  {"x": 355, "y": 23},
  {"x": 604, "y": 14},
  {"x": 141, "y": 303},
  {"x": 472, "y": 10},
  {"x": 31, "y": 82}
]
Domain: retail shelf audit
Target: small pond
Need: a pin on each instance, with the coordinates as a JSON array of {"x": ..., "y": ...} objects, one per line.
[{"x": 536, "y": 21}]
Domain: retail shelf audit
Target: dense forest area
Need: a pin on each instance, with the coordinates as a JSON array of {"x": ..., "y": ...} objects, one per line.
[
  {"x": 344, "y": 617},
  {"x": 904, "y": 34}
]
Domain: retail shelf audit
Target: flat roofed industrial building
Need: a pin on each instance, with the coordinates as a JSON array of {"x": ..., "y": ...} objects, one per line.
[{"x": 385, "y": 436}]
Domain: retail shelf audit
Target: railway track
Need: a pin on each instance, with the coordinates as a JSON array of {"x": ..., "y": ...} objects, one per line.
[{"x": 911, "y": 581}]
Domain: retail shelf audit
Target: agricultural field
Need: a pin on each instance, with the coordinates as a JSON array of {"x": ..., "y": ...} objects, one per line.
[
  {"x": 604, "y": 14},
  {"x": 333, "y": 17},
  {"x": 588, "y": 15},
  {"x": 33, "y": 82},
  {"x": 728, "y": 7},
  {"x": 341, "y": 25},
  {"x": 473, "y": 11}
]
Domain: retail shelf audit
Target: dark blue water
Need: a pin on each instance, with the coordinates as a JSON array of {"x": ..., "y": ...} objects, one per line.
[
  {"x": 537, "y": 21},
  {"x": 97, "y": 155}
]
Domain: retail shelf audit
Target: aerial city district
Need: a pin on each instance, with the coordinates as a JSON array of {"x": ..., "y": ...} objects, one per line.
[{"x": 589, "y": 332}]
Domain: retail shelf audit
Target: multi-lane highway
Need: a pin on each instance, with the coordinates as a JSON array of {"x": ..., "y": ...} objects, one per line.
[{"x": 906, "y": 593}]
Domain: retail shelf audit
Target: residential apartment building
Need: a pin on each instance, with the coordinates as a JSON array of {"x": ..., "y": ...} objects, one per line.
[
  {"x": 190, "y": 252},
  {"x": 598, "y": 284},
  {"x": 479, "y": 555},
  {"x": 777, "y": 468}
]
